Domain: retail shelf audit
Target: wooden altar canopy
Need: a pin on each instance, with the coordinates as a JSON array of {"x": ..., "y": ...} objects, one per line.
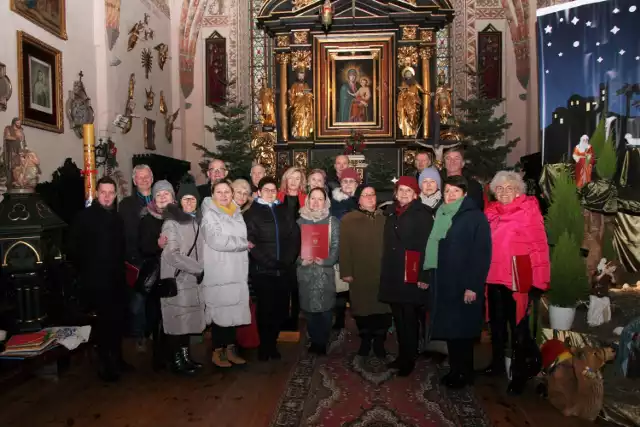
[{"x": 372, "y": 70}]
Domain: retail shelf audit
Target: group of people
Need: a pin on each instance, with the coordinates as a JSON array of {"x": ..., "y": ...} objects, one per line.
[{"x": 423, "y": 262}]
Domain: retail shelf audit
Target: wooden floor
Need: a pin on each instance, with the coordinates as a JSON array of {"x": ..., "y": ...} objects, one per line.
[{"x": 243, "y": 397}]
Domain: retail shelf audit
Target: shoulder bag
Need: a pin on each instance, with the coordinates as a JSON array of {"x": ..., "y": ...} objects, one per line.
[{"x": 168, "y": 287}]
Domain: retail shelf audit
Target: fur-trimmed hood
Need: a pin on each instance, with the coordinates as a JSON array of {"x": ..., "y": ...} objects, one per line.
[
  {"x": 173, "y": 212},
  {"x": 338, "y": 195},
  {"x": 152, "y": 210}
]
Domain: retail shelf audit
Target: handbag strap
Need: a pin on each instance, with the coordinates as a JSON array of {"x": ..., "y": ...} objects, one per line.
[{"x": 190, "y": 250}]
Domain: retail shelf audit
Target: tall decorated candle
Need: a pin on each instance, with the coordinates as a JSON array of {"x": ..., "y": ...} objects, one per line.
[{"x": 89, "y": 171}]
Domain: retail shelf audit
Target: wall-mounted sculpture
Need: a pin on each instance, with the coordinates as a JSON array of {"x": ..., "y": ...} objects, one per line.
[
  {"x": 149, "y": 134},
  {"x": 140, "y": 29},
  {"x": 163, "y": 54},
  {"x": 5, "y": 88},
  {"x": 78, "y": 107},
  {"x": 150, "y": 99},
  {"x": 112, "y": 21},
  {"x": 130, "y": 106},
  {"x": 147, "y": 61},
  {"x": 267, "y": 106},
  {"x": 163, "y": 104},
  {"x": 169, "y": 119}
]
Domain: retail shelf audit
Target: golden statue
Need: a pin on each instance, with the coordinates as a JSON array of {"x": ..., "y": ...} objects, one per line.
[
  {"x": 267, "y": 104},
  {"x": 409, "y": 102},
  {"x": 443, "y": 99},
  {"x": 301, "y": 105}
]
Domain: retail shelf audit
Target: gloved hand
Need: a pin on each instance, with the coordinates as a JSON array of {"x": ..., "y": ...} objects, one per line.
[
  {"x": 535, "y": 293},
  {"x": 199, "y": 277}
]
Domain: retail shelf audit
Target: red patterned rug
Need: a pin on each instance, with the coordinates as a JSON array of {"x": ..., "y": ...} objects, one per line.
[{"x": 344, "y": 389}]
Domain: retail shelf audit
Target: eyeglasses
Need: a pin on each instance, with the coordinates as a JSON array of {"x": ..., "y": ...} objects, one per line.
[
  {"x": 348, "y": 181},
  {"x": 242, "y": 193},
  {"x": 368, "y": 195},
  {"x": 501, "y": 189},
  {"x": 217, "y": 170},
  {"x": 269, "y": 190}
]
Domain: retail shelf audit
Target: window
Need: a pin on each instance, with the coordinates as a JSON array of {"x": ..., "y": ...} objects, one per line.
[{"x": 443, "y": 53}]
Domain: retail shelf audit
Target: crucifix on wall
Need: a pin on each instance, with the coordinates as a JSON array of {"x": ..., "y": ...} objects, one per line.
[{"x": 216, "y": 69}]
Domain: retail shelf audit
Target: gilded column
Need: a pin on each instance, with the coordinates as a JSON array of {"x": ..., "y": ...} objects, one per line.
[
  {"x": 283, "y": 59},
  {"x": 425, "y": 55}
]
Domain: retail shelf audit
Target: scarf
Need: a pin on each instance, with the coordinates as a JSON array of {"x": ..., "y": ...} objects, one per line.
[
  {"x": 261, "y": 201},
  {"x": 401, "y": 209},
  {"x": 145, "y": 199},
  {"x": 431, "y": 200},
  {"x": 441, "y": 226},
  {"x": 315, "y": 216},
  {"x": 230, "y": 210}
]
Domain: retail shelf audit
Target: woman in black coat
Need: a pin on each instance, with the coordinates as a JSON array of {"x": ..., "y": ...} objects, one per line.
[
  {"x": 274, "y": 246},
  {"x": 405, "y": 237},
  {"x": 457, "y": 260}
]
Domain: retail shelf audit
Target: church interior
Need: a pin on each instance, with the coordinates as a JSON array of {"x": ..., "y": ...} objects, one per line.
[{"x": 93, "y": 88}]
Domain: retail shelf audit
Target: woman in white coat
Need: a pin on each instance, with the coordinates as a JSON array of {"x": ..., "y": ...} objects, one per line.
[{"x": 226, "y": 270}]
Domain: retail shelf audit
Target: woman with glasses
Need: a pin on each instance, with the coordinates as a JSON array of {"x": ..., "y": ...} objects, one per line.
[
  {"x": 274, "y": 238},
  {"x": 406, "y": 231},
  {"x": 242, "y": 194},
  {"x": 361, "y": 244},
  {"x": 517, "y": 229}
]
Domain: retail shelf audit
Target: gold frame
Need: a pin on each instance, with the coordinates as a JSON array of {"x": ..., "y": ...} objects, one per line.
[
  {"x": 29, "y": 15},
  {"x": 327, "y": 51},
  {"x": 57, "y": 101}
]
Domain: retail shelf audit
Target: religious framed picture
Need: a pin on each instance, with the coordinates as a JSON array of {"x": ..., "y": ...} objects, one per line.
[
  {"x": 354, "y": 85},
  {"x": 39, "y": 84},
  {"x": 48, "y": 14},
  {"x": 149, "y": 130}
]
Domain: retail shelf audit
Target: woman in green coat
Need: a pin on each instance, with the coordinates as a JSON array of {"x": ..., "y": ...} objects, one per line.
[{"x": 316, "y": 277}]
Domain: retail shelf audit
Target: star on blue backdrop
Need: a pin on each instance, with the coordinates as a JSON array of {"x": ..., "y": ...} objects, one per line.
[{"x": 583, "y": 46}]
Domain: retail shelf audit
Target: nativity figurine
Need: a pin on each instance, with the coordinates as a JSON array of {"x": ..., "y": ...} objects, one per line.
[{"x": 584, "y": 158}]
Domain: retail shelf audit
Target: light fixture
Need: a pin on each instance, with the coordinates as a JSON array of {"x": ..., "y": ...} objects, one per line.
[{"x": 326, "y": 15}]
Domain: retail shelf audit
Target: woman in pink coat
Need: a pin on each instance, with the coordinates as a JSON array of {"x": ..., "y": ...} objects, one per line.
[{"x": 517, "y": 230}]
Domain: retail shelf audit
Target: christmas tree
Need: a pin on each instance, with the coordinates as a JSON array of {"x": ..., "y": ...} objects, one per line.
[
  {"x": 234, "y": 135},
  {"x": 482, "y": 132}
]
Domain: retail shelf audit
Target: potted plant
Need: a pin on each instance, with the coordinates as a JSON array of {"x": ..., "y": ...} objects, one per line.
[
  {"x": 569, "y": 282},
  {"x": 354, "y": 147}
]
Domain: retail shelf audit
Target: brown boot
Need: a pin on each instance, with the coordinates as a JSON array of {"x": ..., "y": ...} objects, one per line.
[
  {"x": 233, "y": 357},
  {"x": 219, "y": 358}
]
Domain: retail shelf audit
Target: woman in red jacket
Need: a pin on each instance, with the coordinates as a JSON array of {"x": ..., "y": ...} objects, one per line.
[{"x": 518, "y": 236}]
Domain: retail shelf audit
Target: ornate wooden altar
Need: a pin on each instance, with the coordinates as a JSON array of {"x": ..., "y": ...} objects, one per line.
[{"x": 351, "y": 65}]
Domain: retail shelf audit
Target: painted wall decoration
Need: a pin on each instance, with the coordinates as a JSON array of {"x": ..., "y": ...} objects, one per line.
[
  {"x": 517, "y": 13},
  {"x": 490, "y": 61},
  {"x": 190, "y": 23},
  {"x": 215, "y": 69},
  {"x": 49, "y": 14},
  {"x": 40, "y": 84},
  {"x": 589, "y": 68},
  {"x": 112, "y": 21}
]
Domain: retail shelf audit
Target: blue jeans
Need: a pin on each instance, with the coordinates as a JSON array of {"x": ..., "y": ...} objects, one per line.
[
  {"x": 319, "y": 326},
  {"x": 138, "y": 312}
]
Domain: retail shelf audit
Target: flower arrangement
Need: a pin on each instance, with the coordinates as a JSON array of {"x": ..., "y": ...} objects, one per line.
[{"x": 355, "y": 143}]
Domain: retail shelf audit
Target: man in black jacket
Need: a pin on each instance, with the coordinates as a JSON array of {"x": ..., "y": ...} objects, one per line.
[
  {"x": 333, "y": 180},
  {"x": 274, "y": 238},
  {"x": 454, "y": 166},
  {"x": 217, "y": 170},
  {"x": 129, "y": 210},
  {"x": 102, "y": 274},
  {"x": 421, "y": 162}
]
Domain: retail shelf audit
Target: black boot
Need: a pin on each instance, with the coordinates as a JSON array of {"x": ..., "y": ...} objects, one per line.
[
  {"x": 379, "y": 338},
  {"x": 527, "y": 360},
  {"x": 179, "y": 365},
  {"x": 107, "y": 369},
  {"x": 365, "y": 343},
  {"x": 187, "y": 358}
]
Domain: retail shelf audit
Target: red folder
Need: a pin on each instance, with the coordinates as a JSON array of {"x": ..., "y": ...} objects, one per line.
[
  {"x": 315, "y": 241},
  {"x": 522, "y": 273},
  {"x": 131, "y": 274},
  {"x": 411, "y": 266}
]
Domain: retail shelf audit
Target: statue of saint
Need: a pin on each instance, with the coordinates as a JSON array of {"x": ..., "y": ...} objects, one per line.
[
  {"x": 14, "y": 143},
  {"x": 443, "y": 99},
  {"x": 584, "y": 158},
  {"x": 409, "y": 102},
  {"x": 267, "y": 104},
  {"x": 25, "y": 174},
  {"x": 301, "y": 106}
]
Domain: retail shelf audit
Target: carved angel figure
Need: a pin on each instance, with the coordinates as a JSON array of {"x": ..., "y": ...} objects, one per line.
[
  {"x": 408, "y": 105},
  {"x": 25, "y": 174},
  {"x": 163, "y": 54},
  {"x": 150, "y": 99},
  {"x": 168, "y": 125},
  {"x": 301, "y": 106},
  {"x": 163, "y": 104}
]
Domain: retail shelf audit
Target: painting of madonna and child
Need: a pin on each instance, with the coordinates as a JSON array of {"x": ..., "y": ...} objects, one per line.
[{"x": 356, "y": 94}]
